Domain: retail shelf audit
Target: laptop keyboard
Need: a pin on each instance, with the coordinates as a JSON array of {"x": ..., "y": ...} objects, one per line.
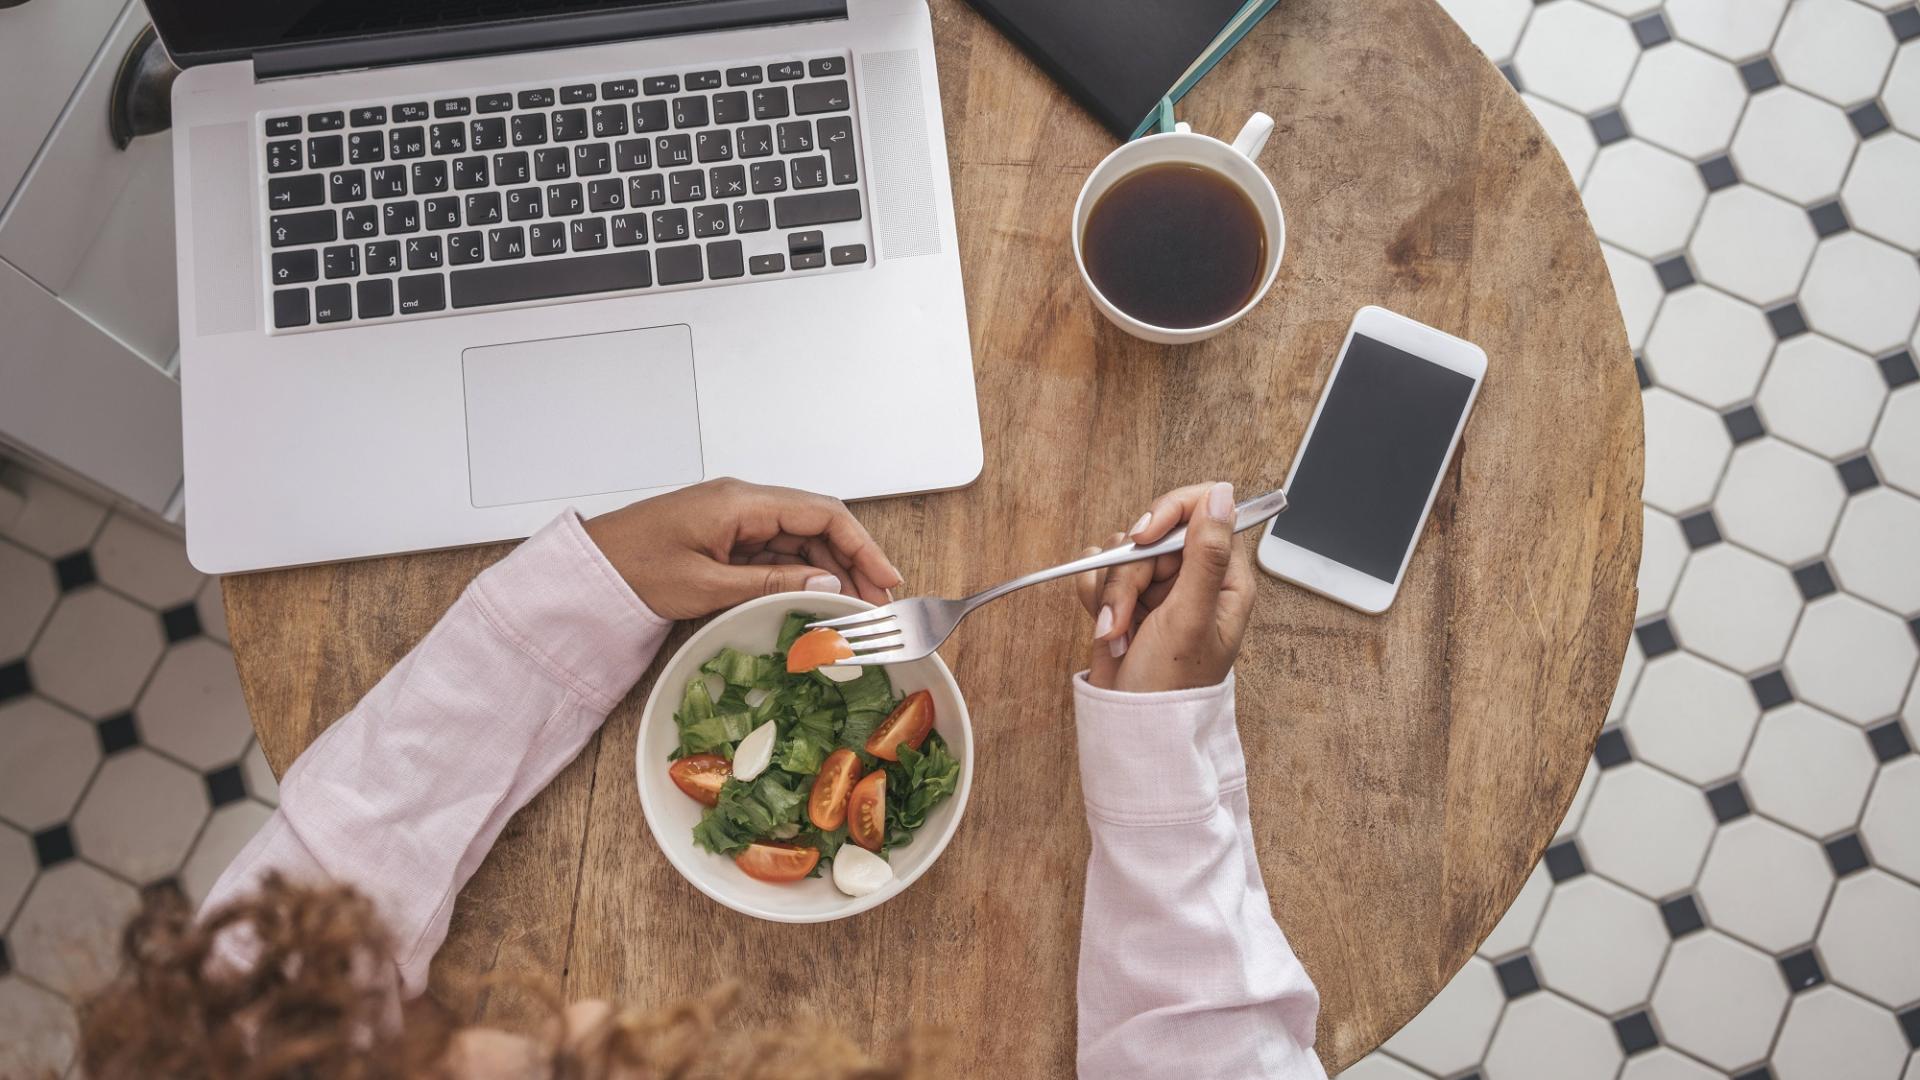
[{"x": 691, "y": 179}]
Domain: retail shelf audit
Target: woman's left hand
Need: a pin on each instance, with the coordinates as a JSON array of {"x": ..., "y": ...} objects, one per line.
[{"x": 694, "y": 551}]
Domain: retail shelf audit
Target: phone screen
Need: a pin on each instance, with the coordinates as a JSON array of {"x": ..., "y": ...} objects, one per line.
[{"x": 1373, "y": 458}]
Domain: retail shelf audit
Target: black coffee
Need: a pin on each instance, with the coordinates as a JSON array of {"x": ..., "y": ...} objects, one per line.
[{"x": 1175, "y": 245}]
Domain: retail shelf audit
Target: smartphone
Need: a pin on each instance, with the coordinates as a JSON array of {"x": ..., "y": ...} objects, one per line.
[{"x": 1371, "y": 462}]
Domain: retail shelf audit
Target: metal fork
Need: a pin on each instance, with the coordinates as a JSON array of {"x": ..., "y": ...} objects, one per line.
[{"x": 910, "y": 629}]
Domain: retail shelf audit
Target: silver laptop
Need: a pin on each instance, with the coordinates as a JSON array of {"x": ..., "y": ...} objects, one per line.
[{"x": 447, "y": 268}]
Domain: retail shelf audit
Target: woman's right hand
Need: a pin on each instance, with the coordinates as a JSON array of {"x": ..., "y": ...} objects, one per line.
[{"x": 1175, "y": 622}]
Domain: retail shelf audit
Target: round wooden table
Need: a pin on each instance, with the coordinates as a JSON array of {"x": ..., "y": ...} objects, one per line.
[{"x": 1407, "y": 770}]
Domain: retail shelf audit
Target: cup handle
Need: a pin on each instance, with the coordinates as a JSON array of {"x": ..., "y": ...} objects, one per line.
[{"x": 1253, "y": 136}]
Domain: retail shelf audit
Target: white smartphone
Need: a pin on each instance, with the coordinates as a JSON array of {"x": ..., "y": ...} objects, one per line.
[{"x": 1366, "y": 473}]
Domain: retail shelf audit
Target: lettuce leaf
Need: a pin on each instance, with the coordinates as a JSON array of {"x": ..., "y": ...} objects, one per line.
[
  {"x": 791, "y": 630},
  {"x": 806, "y": 745},
  {"x": 917, "y": 783},
  {"x": 748, "y": 812}
]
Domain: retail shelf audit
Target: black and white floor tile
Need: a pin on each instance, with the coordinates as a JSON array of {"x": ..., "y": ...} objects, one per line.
[{"x": 1736, "y": 892}]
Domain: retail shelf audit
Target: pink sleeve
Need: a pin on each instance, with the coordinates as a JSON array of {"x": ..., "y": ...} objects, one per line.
[
  {"x": 1183, "y": 971},
  {"x": 403, "y": 796}
]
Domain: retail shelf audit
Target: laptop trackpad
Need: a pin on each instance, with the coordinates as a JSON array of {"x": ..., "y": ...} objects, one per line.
[{"x": 575, "y": 416}]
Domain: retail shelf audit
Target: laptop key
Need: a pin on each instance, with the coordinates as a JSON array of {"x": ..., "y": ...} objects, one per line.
[
  {"x": 744, "y": 76},
  {"x": 690, "y": 112},
  {"x": 727, "y": 181},
  {"x": 326, "y": 151},
  {"x": 649, "y": 116},
  {"x": 703, "y": 80},
  {"x": 725, "y": 260},
  {"x": 359, "y": 222},
  {"x": 489, "y": 132},
  {"x": 290, "y": 267},
  {"x": 389, "y": 181},
  {"x": 523, "y": 203},
  {"x": 836, "y": 135},
  {"x": 579, "y": 92},
  {"x": 370, "y": 116},
  {"x": 848, "y": 254},
  {"x": 817, "y": 208},
  {"x": 429, "y": 177},
  {"x": 283, "y": 156},
  {"x": 648, "y": 190},
  {"x": 587, "y": 234},
  {"x": 482, "y": 285},
  {"x": 755, "y": 140},
  {"x": 400, "y": 218},
  {"x": 631, "y": 154},
  {"x": 768, "y": 177},
  {"x": 678, "y": 265},
  {"x": 730, "y": 108},
  {"x": 511, "y": 168},
  {"x": 293, "y": 192},
  {"x": 290, "y": 308},
  {"x": 529, "y": 129},
  {"x": 809, "y": 172},
  {"x": 809, "y": 98},
  {"x": 446, "y": 107},
  {"x": 592, "y": 159},
  {"x": 767, "y": 264},
  {"x": 465, "y": 247},
  {"x": 710, "y": 146},
  {"x": 827, "y": 65},
  {"x": 569, "y": 125},
  {"x": 449, "y": 138},
  {"x": 347, "y": 185},
  {"x": 796, "y": 137},
  {"x": 375, "y": 298},
  {"x": 333, "y": 303},
  {"x": 383, "y": 257},
  {"x": 425, "y": 292},
  {"x": 536, "y": 99},
  {"x": 687, "y": 185},
  {"x": 326, "y": 121},
  {"x": 661, "y": 84},
  {"x": 605, "y": 195},
  {"x": 470, "y": 172},
  {"x": 770, "y": 103},
  {"x": 609, "y": 120},
  {"x": 494, "y": 103},
  {"x": 483, "y": 208},
  {"x": 407, "y": 142},
  {"x": 785, "y": 71},
  {"x": 801, "y": 243},
  {"x": 620, "y": 88},
  {"x": 342, "y": 261},
  {"x": 503, "y": 244},
  {"x": 710, "y": 220},
  {"x": 312, "y": 227},
  {"x": 810, "y": 260},
  {"x": 366, "y": 146},
  {"x": 441, "y": 213},
  {"x": 670, "y": 224},
  {"x": 409, "y": 112},
  {"x": 671, "y": 150},
  {"x": 751, "y": 216},
  {"x": 424, "y": 253},
  {"x": 283, "y": 125},
  {"x": 555, "y": 163},
  {"x": 566, "y": 200},
  {"x": 629, "y": 229}
]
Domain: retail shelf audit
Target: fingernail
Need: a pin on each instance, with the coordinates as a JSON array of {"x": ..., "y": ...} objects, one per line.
[
  {"x": 1117, "y": 648},
  {"x": 1220, "y": 502},
  {"x": 1141, "y": 524},
  {"x": 1104, "y": 623},
  {"x": 823, "y": 583}
]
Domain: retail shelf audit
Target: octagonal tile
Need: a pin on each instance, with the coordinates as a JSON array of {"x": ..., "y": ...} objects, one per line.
[
  {"x": 1765, "y": 885},
  {"x": 1661, "y": 1063},
  {"x": 1719, "y": 1000},
  {"x": 95, "y": 652},
  {"x": 1645, "y": 830},
  {"x": 1576, "y": 55},
  {"x": 55, "y": 521},
  {"x": 1830, "y": 1034},
  {"x": 1691, "y": 718},
  {"x": 67, "y": 935},
  {"x": 1685, "y": 100},
  {"x": 1600, "y": 944},
  {"x": 1888, "y": 823},
  {"x": 1809, "y": 770},
  {"x": 1709, "y": 346},
  {"x": 47, "y": 755},
  {"x": 227, "y": 831},
  {"x": 212, "y": 610},
  {"x": 1544, "y": 1034},
  {"x": 1378, "y": 1066},
  {"x": 41, "y": 1031},
  {"x": 1780, "y": 501},
  {"x": 1874, "y": 551},
  {"x": 1687, "y": 447},
  {"x": 17, "y": 867},
  {"x": 1630, "y": 665},
  {"x": 1451, "y": 1033},
  {"x": 1870, "y": 942},
  {"x": 1849, "y": 658},
  {"x": 1637, "y": 288},
  {"x": 1879, "y": 192},
  {"x": 1753, "y": 244},
  {"x": 1663, "y": 551},
  {"x": 1570, "y": 132},
  {"x": 193, "y": 708},
  {"x": 259, "y": 776},
  {"x": 1515, "y": 928},
  {"x": 1821, "y": 395},
  {"x": 1838, "y": 49},
  {"x": 1896, "y": 445},
  {"x": 141, "y": 815},
  {"x": 27, "y": 582},
  {"x": 1901, "y": 94},
  {"x": 1735, "y": 607},
  {"x": 145, "y": 563},
  {"x": 1862, "y": 291},
  {"x": 1793, "y": 144},
  {"x": 1493, "y": 25},
  {"x": 1735, "y": 29},
  {"x": 1641, "y": 197},
  {"x": 1577, "y": 807}
]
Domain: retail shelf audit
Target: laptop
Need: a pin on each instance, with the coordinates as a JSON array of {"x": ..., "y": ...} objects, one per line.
[{"x": 447, "y": 268}]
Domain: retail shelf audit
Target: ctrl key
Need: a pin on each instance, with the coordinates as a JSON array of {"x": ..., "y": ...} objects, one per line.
[
  {"x": 425, "y": 292},
  {"x": 333, "y": 303},
  {"x": 290, "y": 309}
]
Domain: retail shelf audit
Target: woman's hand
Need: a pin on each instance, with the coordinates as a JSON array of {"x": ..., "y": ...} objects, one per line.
[
  {"x": 694, "y": 551},
  {"x": 1174, "y": 622}
]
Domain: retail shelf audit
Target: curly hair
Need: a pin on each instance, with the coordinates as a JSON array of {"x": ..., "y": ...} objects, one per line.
[{"x": 311, "y": 1006}]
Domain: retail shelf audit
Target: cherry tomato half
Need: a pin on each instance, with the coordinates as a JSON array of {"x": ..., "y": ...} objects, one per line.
[
  {"x": 867, "y": 811},
  {"x": 816, "y": 647},
  {"x": 700, "y": 776},
  {"x": 909, "y": 723},
  {"x": 779, "y": 863},
  {"x": 827, "y": 806}
]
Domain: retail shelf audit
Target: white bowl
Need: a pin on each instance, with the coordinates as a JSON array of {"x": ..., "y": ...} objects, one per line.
[{"x": 754, "y": 627}]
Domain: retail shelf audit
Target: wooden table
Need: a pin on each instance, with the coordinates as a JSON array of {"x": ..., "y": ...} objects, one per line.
[{"x": 1407, "y": 770}]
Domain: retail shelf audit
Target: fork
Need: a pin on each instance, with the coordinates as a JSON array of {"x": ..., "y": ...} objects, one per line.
[{"x": 910, "y": 629}]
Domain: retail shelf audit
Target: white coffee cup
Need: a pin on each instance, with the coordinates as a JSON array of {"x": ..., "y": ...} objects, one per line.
[{"x": 1235, "y": 161}]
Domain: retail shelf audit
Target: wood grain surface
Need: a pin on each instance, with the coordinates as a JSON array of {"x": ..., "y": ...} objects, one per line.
[{"x": 1407, "y": 770}]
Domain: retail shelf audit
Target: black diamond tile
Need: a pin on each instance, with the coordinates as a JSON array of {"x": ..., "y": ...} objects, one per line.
[
  {"x": 1652, "y": 30},
  {"x": 1611, "y": 749},
  {"x": 1512, "y": 74},
  {"x": 1846, "y": 854},
  {"x": 1786, "y": 320},
  {"x": 1674, "y": 273},
  {"x": 1759, "y": 1073},
  {"x": 1608, "y": 127},
  {"x": 1913, "y": 627},
  {"x": 180, "y": 623},
  {"x": 1802, "y": 970},
  {"x": 1564, "y": 861},
  {"x": 53, "y": 846},
  {"x": 6, "y": 960},
  {"x": 1897, "y": 369},
  {"x": 1640, "y": 373},
  {"x": 1858, "y": 475},
  {"x": 75, "y": 571},
  {"x": 1743, "y": 424},
  {"x": 1517, "y": 978},
  {"x": 1889, "y": 741},
  {"x": 1728, "y": 801},
  {"x": 1759, "y": 74},
  {"x": 14, "y": 680},
  {"x": 1905, "y": 23},
  {"x": 1867, "y": 119},
  {"x": 117, "y": 733},
  {"x": 1656, "y": 638},
  {"x": 1814, "y": 580},
  {"x": 1909, "y": 1020},
  {"x": 1718, "y": 172},
  {"x": 1682, "y": 915},
  {"x": 1770, "y": 689},
  {"x": 225, "y": 785},
  {"x": 1700, "y": 530},
  {"x": 1829, "y": 218},
  {"x": 1635, "y": 1032}
]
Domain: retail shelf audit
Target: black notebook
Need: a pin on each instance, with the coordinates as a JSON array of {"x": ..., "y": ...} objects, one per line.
[{"x": 1119, "y": 58}]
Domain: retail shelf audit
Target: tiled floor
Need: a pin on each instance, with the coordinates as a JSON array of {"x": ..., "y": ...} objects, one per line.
[{"x": 1737, "y": 889}]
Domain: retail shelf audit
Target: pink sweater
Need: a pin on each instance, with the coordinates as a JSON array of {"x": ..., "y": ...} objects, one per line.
[{"x": 1182, "y": 969}]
